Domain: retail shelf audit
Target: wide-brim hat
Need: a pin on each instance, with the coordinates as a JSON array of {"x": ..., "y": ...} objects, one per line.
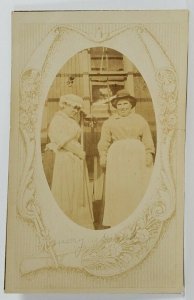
[
  {"x": 123, "y": 95},
  {"x": 71, "y": 99}
]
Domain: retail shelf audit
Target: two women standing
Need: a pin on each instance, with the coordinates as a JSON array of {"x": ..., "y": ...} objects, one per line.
[{"x": 126, "y": 152}]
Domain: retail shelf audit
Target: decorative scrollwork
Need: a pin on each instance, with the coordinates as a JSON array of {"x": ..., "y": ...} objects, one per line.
[
  {"x": 27, "y": 205},
  {"x": 166, "y": 78},
  {"x": 167, "y": 81},
  {"x": 113, "y": 253},
  {"x": 29, "y": 88},
  {"x": 98, "y": 33}
]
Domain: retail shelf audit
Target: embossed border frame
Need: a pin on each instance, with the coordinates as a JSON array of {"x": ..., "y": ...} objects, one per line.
[{"x": 110, "y": 252}]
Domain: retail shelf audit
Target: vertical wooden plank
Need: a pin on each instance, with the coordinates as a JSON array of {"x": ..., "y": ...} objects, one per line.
[
  {"x": 86, "y": 65},
  {"x": 128, "y": 67},
  {"x": 62, "y": 82}
]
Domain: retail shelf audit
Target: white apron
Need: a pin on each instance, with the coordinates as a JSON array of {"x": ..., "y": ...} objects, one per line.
[{"x": 126, "y": 180}]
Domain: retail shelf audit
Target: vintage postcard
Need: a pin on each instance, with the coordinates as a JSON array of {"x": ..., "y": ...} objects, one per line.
[{"x": 96, "y": 170}]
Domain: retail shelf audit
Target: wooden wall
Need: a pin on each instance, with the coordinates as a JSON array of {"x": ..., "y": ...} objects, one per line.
[
  {"x": 76, "y": 77},
  {"x": 69, "y": 80}
]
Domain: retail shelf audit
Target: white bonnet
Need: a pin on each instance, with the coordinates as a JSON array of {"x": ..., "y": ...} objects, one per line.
[{"x": 71, "y": 99}]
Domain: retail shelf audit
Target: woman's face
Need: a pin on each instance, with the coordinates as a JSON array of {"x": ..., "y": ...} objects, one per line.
[
  {"x": 124, "y": 107},
  {"x": 70, "y": 110}
]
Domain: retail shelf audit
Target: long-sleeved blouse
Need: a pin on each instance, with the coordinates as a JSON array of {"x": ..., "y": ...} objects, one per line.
[
  {"x": 64, "y": 132},
  {"x": 116, "y": 128}
]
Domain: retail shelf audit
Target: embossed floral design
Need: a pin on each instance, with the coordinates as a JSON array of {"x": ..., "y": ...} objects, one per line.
[
  {"x": 30, "y": 81},
  {"x": 140, "y": 29},
  {"x": 112, "y": 255},
  {"x": 142, "y": 235},
  {"x": 25, "y": 105},
  {"x": 24, "y": 119},
  {"x": 171, "y": 121},
  {"x": 171, "y": 105},
  {"x": 113, "y": 248},
  {"x": 166, "y": 78},
  {"x": 158, "y": 209}
]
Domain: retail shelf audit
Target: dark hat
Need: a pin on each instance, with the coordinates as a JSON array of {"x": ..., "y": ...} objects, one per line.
[{"x": 123, "y": 95}]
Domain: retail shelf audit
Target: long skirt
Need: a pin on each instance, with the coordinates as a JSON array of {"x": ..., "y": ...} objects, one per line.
[
  {"x": 70, "y": 188},
  {"x": 126, "y": 180}
]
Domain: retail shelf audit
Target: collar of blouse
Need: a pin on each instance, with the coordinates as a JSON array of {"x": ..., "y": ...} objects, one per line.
[{"x": 117, "y": 116}]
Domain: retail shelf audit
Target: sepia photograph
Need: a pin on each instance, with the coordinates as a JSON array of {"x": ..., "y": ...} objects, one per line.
[
  {"x": 96, "y": 167},
  {"x": 98, "y": 137}
]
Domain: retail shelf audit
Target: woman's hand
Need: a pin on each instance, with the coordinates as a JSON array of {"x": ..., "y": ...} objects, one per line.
[
  {"x": 51, "y": 146},
  {"x": 82, "y": 154},
  {"x": 149, "y": 160},
  {"x": 103, "y": 162}
]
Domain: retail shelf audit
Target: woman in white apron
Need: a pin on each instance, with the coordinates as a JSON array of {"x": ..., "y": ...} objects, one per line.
[
  {"x": 70, "y": 183},
  {"x": 126, "y": 151}
]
